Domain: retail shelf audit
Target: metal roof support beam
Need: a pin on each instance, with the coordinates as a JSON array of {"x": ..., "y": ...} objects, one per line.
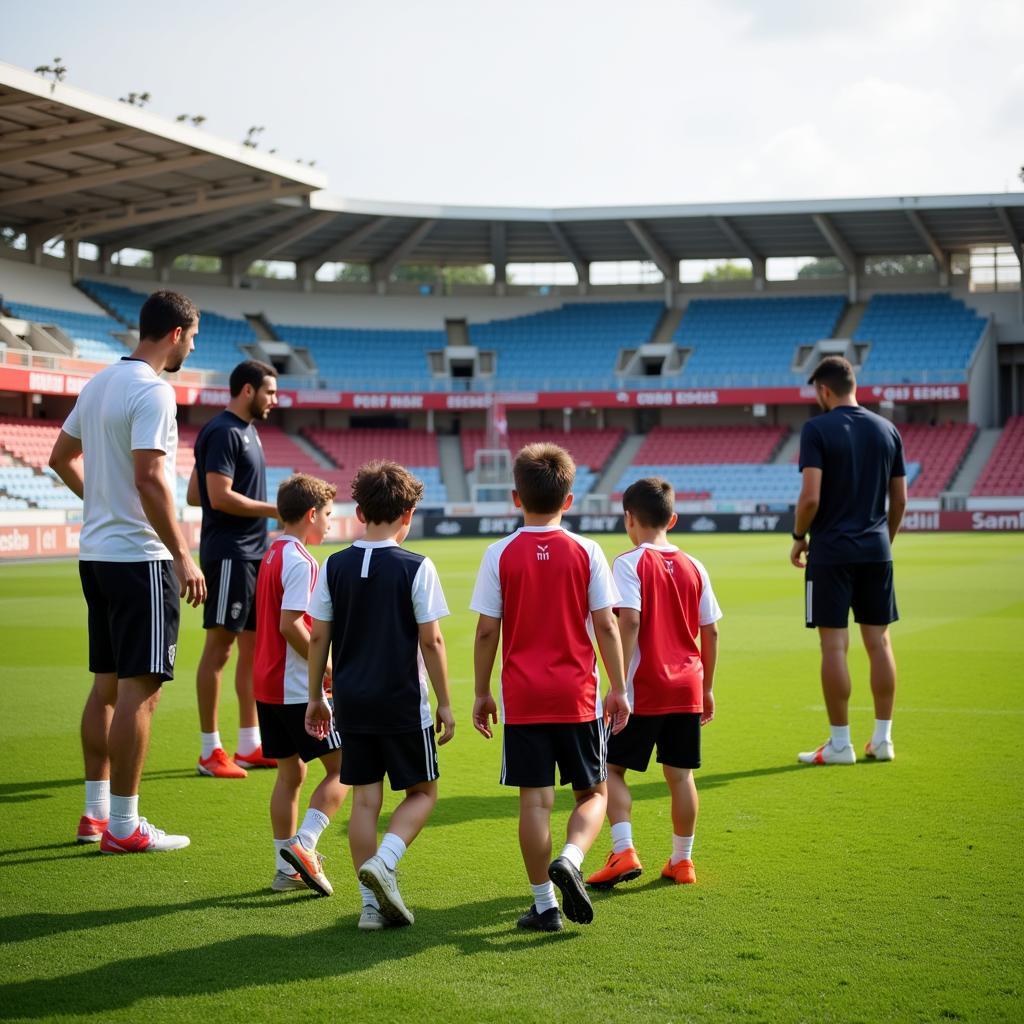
[
  {"x": 499, "y": 255},
  {"x": 382, "y": 268},
  {"x": 176, "y": 229},
  {"x": 572, "y": 255},
  {"x": 843, "y": 252},
  {"x": 758, "y": 263},
  {"x": 112, "y": 176},
  {"x": 940, "y": 256},
  {"x": 70, "y": 143},
  {"x": 218, "y": 240},
  {"x": 344, "y": 246},
  {"x": 669, "y": 268},
  {"x": 1012, "y": 236},
  {"x": 295, "y": 233},
  {"x": 51, "y": 131}
]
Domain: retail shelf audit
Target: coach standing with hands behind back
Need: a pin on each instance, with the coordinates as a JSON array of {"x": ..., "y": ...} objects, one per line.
[
  {"x": 229, "y": 481},
  {"x": 851, "y": 461}
]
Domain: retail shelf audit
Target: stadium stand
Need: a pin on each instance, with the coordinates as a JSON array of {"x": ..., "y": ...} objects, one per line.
[
  {"x": 28, "y": 441},
  {"x": 913, "y": 336},
  {"x": 1003, "y": 475},
  {"x": 91, "y": 333},
  {"x": 707, "y": 445},
  {"x": 744, "y": 342},
  {"x": 939, "y": 451},
  {"x": 576, "y": 345}
]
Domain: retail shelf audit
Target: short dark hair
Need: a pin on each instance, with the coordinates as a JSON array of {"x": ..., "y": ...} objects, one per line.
[
  {"x": 253, "y": 372},
  {"x": 301, "y": 492},
  {"x": 651, "y": 500},
  {"x": 384, "y": 490},
  {"x": 544, "y": 475},
  {"x": 836, "y": 373},
  {"x": 162, "y": 312}
]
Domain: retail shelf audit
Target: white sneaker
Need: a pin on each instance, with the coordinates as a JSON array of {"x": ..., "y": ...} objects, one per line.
[
  {"x": 284, "y": 882},
  {"x": 145, "y": 839},
  {"x": 381, "y": 881},
  {"x": 880, "y": 751},
  {"x": 372, "y": 920},
  {"x": 828, "y": 754}
]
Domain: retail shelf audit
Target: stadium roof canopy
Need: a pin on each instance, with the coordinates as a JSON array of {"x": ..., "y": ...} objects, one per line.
[{"x": 84, "y": 168}]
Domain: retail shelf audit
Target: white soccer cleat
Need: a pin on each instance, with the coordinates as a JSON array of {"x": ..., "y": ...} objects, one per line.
[
  {"x": 880, "y": 751},
  {"x": 145, "y": 839},
  {"x": 828, "y": 754},
  {"x": 372, "y": 920},
  {"x": 381, "y": 881}
]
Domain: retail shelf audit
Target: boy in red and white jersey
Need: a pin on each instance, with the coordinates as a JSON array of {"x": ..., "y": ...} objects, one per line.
[
  {"x": 286, "y": 579},
  {"x": 546, "y": 593},
  {"x": 667, "y": 615}
]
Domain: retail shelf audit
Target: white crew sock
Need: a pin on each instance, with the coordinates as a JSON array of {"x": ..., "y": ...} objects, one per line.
[
  {"x": 573, "y": 854},
  {"x": 369, "y": 900},
  {"x": 882, "y": 733},
  {"x": 622, "y": 836},
  {"x": 211, "y": 741},
  {"x": 279, "y": 862},
  {"x": 391, "y": 850},
  {"x": 682, "y": 848},
  {"x": 248, "y": 739},
  {"x": 544, "y": 896},
  {"x": 97, "y": 799},
  {"x": 840, "y": 736},
  {"x": 124, "y": 815},
  {"x": 311, "y": 828}
]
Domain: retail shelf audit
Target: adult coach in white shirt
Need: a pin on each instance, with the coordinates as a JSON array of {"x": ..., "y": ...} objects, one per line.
[{"x": 134, "y": 564}]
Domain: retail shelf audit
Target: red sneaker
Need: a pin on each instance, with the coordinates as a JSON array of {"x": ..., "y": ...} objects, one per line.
[
  {"x": 619, "y": 867},
  {"x": 255, "y": 759},
  {"x": 681, "y": 873},
  {"x": 219, "y": 766},
  {"x": 145, "y": 839},
  {"x": 90, "y": 829}
]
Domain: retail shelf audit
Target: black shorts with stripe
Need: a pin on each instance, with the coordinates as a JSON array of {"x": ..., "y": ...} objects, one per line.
[
  {"x": 830, "y": 591},
  {"x": 530, "y": 753},
  {"x": 230, "y": 594},
  {"x": 407, "y": 758},
  {"x": 133, "y": 617},
  {"x": 676, "y": 737},
  {"x": 283, "y": 732}
]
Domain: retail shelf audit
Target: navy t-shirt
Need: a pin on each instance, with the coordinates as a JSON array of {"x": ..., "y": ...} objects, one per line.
[
  {"x": 230, "y": 446},
  {"x": 858, "y": 453}
]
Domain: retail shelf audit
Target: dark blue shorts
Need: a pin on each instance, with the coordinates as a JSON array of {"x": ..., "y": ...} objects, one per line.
[{"x": 832, "y": 590}]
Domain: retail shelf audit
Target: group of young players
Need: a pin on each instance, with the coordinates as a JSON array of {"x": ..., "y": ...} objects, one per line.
[{"x": 341, "y": 658}]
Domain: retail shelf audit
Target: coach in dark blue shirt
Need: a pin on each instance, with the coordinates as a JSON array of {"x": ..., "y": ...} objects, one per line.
[
  {"x": 230, "y": 483},
  {"x": 852, "y": 463}
]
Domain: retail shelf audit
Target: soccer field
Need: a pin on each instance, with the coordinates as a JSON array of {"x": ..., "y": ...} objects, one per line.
[{"x": 874, "y": 893}]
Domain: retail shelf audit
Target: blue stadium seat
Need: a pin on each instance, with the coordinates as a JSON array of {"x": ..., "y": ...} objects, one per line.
[{"x": 91, "y": 333}]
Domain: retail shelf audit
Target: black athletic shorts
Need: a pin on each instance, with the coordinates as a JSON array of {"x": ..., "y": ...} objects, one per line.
[
  {"x": 677, "y": 737},
  {"x": 407, "y": 758},
  {"x": 133, "y": 617},
  {"x": 230, "y": 594},
  {"x": 529, "y": 754},
  {"x": 283, "y": 732},
  {"x": 830, "y": 591}
]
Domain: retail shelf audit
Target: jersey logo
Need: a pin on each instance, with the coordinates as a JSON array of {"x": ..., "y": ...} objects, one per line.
[
  {"x": 245, "y": 438},
  {"x": 543, "y": 555},
  {"x": 670, "y": 566},
  {"x": 172, "y": 650},
  {"x": 236, "y": 609}
]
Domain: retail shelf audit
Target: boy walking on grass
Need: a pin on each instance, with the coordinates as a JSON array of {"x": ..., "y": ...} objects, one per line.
[
  {"x": 542, "y": 590},
  {"x": 283, "y": 587},
  {"x": 376, "y": 609},
  {"x": 667, "y": 615}
]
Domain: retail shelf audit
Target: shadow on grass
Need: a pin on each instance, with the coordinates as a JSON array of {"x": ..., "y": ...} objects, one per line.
[
  {"x": 38, "y": 789},
  {"x": 487, "y": 926}
]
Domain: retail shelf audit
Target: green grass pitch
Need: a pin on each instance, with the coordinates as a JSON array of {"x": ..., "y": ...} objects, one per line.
[{"x": 888, "y": 892}]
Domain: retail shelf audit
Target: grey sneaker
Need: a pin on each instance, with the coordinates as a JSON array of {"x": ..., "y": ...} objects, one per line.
[
  {"x": 283, "y": 882},
  {"x": 372, "y": 920},
  {"x": 381, "y": 881}
]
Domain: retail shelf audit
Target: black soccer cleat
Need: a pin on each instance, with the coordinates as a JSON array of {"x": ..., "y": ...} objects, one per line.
[
  {"x": 575, "y": 901},
  {"x": 549, "y": 921}
]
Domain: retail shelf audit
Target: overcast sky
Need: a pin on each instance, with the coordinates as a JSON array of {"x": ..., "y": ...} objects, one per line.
[{"x": 574, "y": 102}]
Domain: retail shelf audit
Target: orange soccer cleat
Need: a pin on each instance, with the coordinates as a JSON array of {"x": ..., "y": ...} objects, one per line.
[
  {"x": 254, "y": 760},
  {"x": 219, "y": 766},
  {"x": 619, "y": 867},
  {"x": 681, "y": 873}
]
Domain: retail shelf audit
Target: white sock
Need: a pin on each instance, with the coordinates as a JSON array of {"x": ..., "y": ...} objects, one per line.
[
  {"x": 622, "y": 836},
  {"x": 544, "y": 896},
  {"x": 573, "y": 854},
  {"x": 882, "y": 734},
  {"x": 97, "y": 799},
  {"x": 279, "y": 862},
  {"x": 211, "y": 741},
  {"x": 369, "y": 900},
  {"x": 391, "y": 850},
  {"x": 682, "y": 848},
  {"x": 311, "y": 828},
  {"x": 124, "y": 815},
  {"x": 248, "y": 739},
  {"x": 840, "y": 736}
]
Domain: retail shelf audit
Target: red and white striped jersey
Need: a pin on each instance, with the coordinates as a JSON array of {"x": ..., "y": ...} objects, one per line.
[
  {"x": 672, "y": 592},
  {"x": 543, "y": 582},
  {"x": 287, "y": 576}
]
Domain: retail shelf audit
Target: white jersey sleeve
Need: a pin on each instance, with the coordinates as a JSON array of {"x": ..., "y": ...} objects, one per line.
[
  {"x": 298, "y": 575},
  {"x": 708, "y": 610},
  {"x": 627, "y": 580},
  {"x": 320, "y": 604},
  {"x": 72, "y": 425},
  {"x": 153, "y": 422},
  {"x": 427, "y": 596},
  {"x": 602, "y": 592},
  {"x": 487, "y": 598}
]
